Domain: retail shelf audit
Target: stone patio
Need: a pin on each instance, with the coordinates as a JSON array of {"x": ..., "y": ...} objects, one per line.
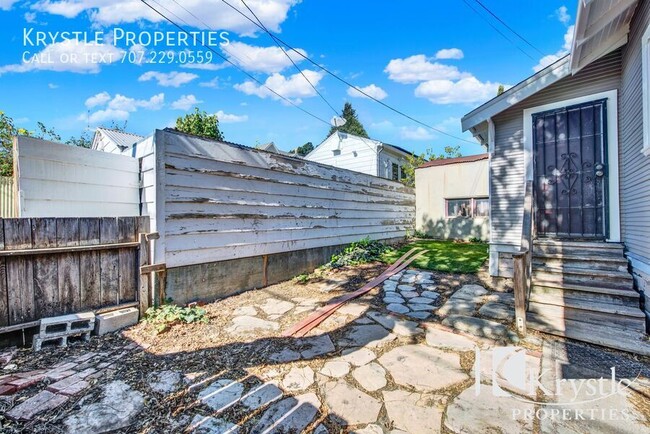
[{"x": 408, "y": 359}]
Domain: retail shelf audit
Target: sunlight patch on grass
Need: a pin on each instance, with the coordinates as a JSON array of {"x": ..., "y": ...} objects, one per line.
[{"x": 446, "y": 256}]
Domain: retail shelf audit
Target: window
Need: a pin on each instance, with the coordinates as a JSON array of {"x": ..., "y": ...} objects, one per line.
[
  {"x": 645, "y": 67},
  {"x": 471, "y": 207},
  {"x": 395, "y": 172},
  {"x": 402, "y": 174}
]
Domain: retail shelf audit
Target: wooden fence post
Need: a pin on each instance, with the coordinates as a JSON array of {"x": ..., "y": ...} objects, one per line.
[
  {"x": 144, "y": 295},
  {"x": 520, "y": 281}
]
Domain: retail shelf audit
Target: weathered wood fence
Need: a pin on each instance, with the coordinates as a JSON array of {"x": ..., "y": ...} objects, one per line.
[{"x": 55, "y": 266}]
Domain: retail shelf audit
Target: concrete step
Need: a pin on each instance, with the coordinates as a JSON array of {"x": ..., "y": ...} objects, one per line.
[
  {"x": 553, "y": 293},
  {"x": 611, "y": 337},
  {"x": 577, "y": 244},
  {"x": 599, "y": 315},
  {"x": 570, "y": 261},
  {"x": 582, "y": 276}
]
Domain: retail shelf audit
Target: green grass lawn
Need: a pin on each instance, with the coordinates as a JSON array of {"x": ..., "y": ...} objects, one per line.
[{"x": 446, "y": 256}]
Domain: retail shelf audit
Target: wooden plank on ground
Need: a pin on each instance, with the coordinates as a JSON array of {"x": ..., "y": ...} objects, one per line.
[
  {"x": 20, "y": 276},
  {"x": 109, "y": 260},
  {"x": 89, "y": 263},
  {"x": 4, "y": 308},
  {"x": 127, "y": 260},
  {"x": 67, "y": 234},
  {"x": 47, "y": 297}
]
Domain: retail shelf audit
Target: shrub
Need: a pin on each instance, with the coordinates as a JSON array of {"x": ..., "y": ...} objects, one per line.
[
  {"x": 166, "y": 315},
  {"x": 359, "y": 252}
]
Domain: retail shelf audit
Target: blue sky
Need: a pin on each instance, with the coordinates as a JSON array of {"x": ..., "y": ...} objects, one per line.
[{"x": 434, "y": 60}]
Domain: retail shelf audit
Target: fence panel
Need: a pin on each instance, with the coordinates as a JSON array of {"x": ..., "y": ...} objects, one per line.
[
  {"x": 56, "y": 266},
  {"x": 7, "y": 203}
]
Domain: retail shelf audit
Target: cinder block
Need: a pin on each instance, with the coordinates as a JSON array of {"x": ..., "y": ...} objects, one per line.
[
  {"x": 115, "y": 320},
  {"x": 59, "y": 328}
]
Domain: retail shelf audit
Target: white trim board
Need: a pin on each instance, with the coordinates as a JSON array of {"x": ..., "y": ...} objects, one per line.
[{"x": 613, "y": 198}]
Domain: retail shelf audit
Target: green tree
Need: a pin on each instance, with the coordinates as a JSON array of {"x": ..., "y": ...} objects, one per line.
[
  {"x": 7, "y": 132},
  {"x": 200, "y": 123},
  {"x": 414, "y": 161},
  {"x": 85, "y": 140},
  {"x": 500, "y": 90},
  {"x": 304, "y": 149},
  {"x": 353, "y": 125}
]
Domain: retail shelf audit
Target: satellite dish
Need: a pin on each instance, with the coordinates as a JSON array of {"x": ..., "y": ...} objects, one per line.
[{"x": 338, "y": 121}]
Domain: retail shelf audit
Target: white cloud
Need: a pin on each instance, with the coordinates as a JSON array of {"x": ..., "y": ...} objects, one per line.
[
  {"x": 206, "y": 66},
  {"x": 415, "y": 133},
  {"x": 119, "y": 107},
  {"x": 562, "y": 15},
  {"x": 552, "y": 58},
  {"x": 68, "y": 56},
  {"x": 213, "y": 84},
  {"x": 268, "y": 60},
  {"x": 98, "y": 100},
  {"x": 214, "y": 15},
  {"x": 185, "y": 102},
  {"x": 226, "y": 118},
  {"x": 466, "y": 90},
  {"x": 169, "y": 79},
  {"x": 294, "y": 87},
  {"x": 5, "y": 5},
  {"x": 30, "y": 17},
  {"x": 372, "y": 90},
  {"x": 53, "y": 86},
  {"x": 419, "y": 68},
  {"x": 450, "y": 53}
]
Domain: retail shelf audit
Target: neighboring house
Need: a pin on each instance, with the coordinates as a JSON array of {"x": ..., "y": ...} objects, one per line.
[
  {"x": 451, "y": 198},
  {"x": 372, "y": 157},
  {"x": 576, "y": 136},
  {"x": 270, "y": 147},
  {"x": 114, "y": 141}
]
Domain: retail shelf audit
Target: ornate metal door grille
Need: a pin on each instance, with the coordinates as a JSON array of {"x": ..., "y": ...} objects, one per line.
[{"x": 569, "y": 159}]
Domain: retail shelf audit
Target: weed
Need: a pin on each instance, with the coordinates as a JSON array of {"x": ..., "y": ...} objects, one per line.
[
  {"x": 359, "y": 252},
  {"x": 166, "y": 315}
]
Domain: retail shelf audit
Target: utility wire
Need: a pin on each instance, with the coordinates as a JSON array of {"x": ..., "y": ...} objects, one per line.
[
  {"x": 508, "y": 27},
  {"x": 496, "y": 29},
  {"x": 181, "y": 28},
  {"x": 342, "y": 80},
  {"x": 336, "y": 113}
]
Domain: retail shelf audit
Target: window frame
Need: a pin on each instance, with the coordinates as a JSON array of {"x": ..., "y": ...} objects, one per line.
[
  {"x": 472, "y": 202},
  {"x": 645, "y": 94}
]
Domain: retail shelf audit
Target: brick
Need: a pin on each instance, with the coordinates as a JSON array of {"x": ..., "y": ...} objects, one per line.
[
  {"x": 39, "y": 403},
  {"x": 23, "y": 383},
  {"x": 85, "y": 357},
  {"x": 69, "y": 386},
  {"x": 64, "y": 366},
  {"x": 7, "y": 379},
  {"x": 116, "y": 320},
  {"x": 58, "y": 375},
  {"x": 86, "y": 372},
  {"x": 6, "y": 389},
  {"x": 75, "y": 388}
]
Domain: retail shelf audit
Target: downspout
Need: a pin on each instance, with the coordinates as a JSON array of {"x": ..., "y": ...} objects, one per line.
[
  {"x": 494, "y": 254},
  {"x": 380, "y": 148}
]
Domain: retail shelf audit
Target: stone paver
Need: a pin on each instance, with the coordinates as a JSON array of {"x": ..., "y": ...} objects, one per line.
[
  {"x": 244, "y": 311},
  {"x": 366, "y": 335},
  {"x": 496, "y": 310},
  {"x": 421, "y": 300},
  {"x": 261, "y": 396},
  {"x": 285, "y": 355},
  {"x": 448, "y": 340},
  {"x": 336, "y": 369},
  {"x": 274, "y": 306},
  {"x": 316, "y": 346},
  {"x": 211, "y": 425},
  {"x": 393, "y": 299},
  {"x": 406, "y": 287},
  {"x": 350, "y": 405},
  {"x": 397, "y": 308},
  {"x": 457, "y": 307},
  {"x": 488, "y": 413},
  {"x": 423, "y": 368},
  {"x": 117, "y": 409},
  {"x": 250, "y": 324},
  {"x": 165, "y": 381},
  {"x": 358, "y": 356},
  {"x": 412, "y": 412},
  {"x": 290, "y": 415},
  {"x": 221, "y": 394},
  {"x": 369, "y": 429},
  {"x": 39, "y": 403},
  {"x": 396, "y": 325},
  {"x": 473, "y": 293},
  {"x": 420, "y": 307},
  {"x": 510, "y": 373},
  {"x": 298, "y": 379},
  {"x": 353, "y": 309},
  {"x": 371, "y": 376},
  {"x": 430, "y": 294},
  {"x": 419, "y": 315},
  {"x": 480, "y": 327},
  {"x": 409, "y": 294}
]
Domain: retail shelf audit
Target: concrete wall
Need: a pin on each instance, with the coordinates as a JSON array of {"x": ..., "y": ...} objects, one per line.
[
  {"x": 56, "y": 180},
  {"x": 433, "y": 185}
]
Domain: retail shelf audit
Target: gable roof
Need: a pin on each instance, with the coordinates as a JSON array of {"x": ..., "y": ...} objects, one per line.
[
  {"x": 121, "y": 139},
  {"x": 455, "y": 160},
  {"x": 395, "y": 148}
]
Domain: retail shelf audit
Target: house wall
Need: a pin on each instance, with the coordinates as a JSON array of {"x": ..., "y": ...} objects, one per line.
[
  {"x": 226, "y": 207},
  {"x": 356, "y": 153},
  {"x": 386, "y": 159},
  {"x": 635, "y": 167},
  {"x": 452, "y": 181},
  {"x": 507, "y": 166},
  {"x": 55, "y": 180}
]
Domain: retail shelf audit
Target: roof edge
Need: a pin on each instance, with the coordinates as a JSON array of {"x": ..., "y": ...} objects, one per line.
[{"x": 455, "y": 160}]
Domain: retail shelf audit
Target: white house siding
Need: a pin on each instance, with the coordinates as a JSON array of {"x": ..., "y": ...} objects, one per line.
[
  {"x": 635, "y": 167},
  {"x": 507, "y": 165},
  {"x": 56, "y": 180},
  {"x": 357, "y": 154},
  {"x": 223, "y": 201},
  {"x": 386, "y": 159}
]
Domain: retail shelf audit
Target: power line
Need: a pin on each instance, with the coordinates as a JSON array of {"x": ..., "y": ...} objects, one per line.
[
  {"x": 181, "y": 28},
  {"x": 498, "y": 31},
  {"x": 289, "y": 57},
  {"x": 342, "y": 80},
  {"x": 508, "y": 27}
]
